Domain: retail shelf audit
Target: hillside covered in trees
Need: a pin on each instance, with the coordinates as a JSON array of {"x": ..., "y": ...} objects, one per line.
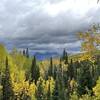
[{"x": 75, "y": 77}]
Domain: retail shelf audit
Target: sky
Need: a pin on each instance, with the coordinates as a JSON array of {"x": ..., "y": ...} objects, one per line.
[{"x": 46, "y": 25}]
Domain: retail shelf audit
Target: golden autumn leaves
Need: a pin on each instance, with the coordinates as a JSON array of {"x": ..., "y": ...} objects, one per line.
[{"x": 90, "y": 39}]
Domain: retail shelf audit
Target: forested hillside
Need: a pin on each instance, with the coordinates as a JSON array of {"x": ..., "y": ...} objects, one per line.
[
  {"x": 25, "y": 78},
  {"x": 75, "y": 77}
]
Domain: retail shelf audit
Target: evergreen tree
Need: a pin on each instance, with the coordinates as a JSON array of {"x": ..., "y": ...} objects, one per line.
[
  {"x": 24, "y": 53},
  {"x": 6, "y": 83},
  {"x": 71, "y": 70},
  {"x": 60, "y": 73},
  {"x": 97, "y": 64},
  {"x": 85, "y": 79},
  {"x": 35, "y": 72},
  {"x": 56, "y": 90},
  {"x": 40, "y": 89},
  {"x": 50, "y": 70},
  {"x": 75, "y": 67},
  {"x": 62, "y": 82},
  {"x": 59, "y": 91},
  {"x": 66, "y": 58},
  {"x": 55, "y": 72},
  {"x": 61, "y": 88},
  {"x": 27, "y": 53},
  {"x": 65, "y": 78},
  {"x": 64, "y": 55}
]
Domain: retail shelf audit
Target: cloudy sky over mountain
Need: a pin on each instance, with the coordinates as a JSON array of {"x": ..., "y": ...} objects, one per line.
[{"x": 46, "y": 25}]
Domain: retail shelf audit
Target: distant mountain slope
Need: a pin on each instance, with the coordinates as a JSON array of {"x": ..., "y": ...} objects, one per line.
[{"x": 46, "y": 55}]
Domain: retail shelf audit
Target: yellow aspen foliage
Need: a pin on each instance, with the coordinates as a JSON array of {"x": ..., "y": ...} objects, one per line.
[
  {"x": 18, "y": 76},
  {"x": 85, "y": 56},
  {"x": 20, "y": 86},
  {"x": 64, "y": 66},
  {"x": 42, "y": 81},
  {"x": 1, "y": 87},
  {"x": 3, "y": 54},
  {"x": 90, "y": 39},
  {"x": 19, "y": 59},
  {"x": 73, "y": 84},
  {"x": 32, "y": 89},
  {"x": 47, "y": 85},
  {"x": 24, "y": 87},
  {"x": 96, "y": 89},
  {"x": 50, "y": 83},
  {"x": 87, "y": 97}
]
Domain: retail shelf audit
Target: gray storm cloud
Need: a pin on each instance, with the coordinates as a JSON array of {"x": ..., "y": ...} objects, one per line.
[{"x": 29, "y": 22}]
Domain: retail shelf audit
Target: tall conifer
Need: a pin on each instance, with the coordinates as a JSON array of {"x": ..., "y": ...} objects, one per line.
[
  {"x": 35, "y": 72},
  {"x": 6, "y": 83}
]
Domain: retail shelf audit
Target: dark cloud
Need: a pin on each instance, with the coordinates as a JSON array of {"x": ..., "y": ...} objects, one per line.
[{"x": 29, "y": 23}]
